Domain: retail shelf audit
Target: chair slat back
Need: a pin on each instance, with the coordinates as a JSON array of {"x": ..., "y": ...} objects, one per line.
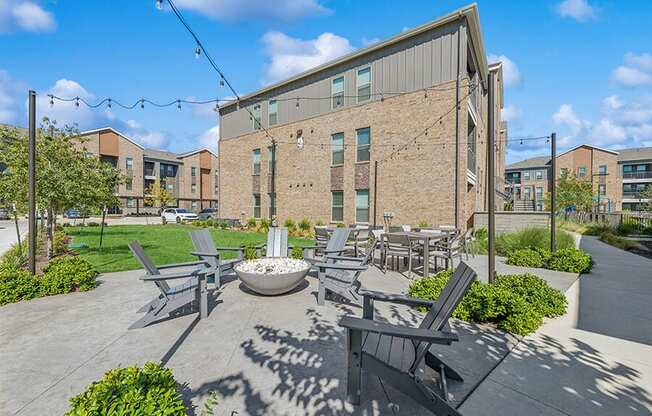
[
  {"x": 397, "y": 240},
  {"x": 148, "y": 265},
  {"x": 439, "y": 314},
  {"x": 338, "y": 239},
  {"x": 321, "y": 234},
  {"x": 277, "y": 242},
  {"x": 203, "y": 242}
]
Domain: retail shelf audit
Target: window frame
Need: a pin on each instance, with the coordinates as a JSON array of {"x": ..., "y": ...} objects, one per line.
[
  {"x": 602, "y": 189},
  {"x": 333, "y": 107},
  {"x": 269, "y": 112},
  {"x": 358, "y": 146},
  {"x": 129, "y": 167},
  {"x": 256, "y": 110},
  {"x": 357, "y": 208},
  {"x": 256, "y": 207},
  {"x": 333, "y": 164},
  {"x": 358, "y": 86},
  {"x": 254, "y": 153},
  {"x": 193, "y": 171},
  {"x": 538, "y": 175},
  {"x": 333, "y": 206},
  {"x": 193, "y": 188},
  {"x": 526, "y": 175},
  {"x": 600, "y": 172},
  {"x": 581, "y": 171}
]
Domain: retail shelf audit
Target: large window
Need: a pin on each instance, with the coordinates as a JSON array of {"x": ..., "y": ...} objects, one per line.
[
  {"x": 527, "y": 193},
  {"x": 363, "y": 82},
  {"x": 602, "y": 170},
  {"x": 255, "y": 157},
  {"x": 362, "y": 205},
  {"x": 337, "y": 92},
  {"x": 256, "y": 205},
  {"x": 256, "y": 116},
  {"x": 193, "y": 171},
  {"x": 539, "y": 175},
  {"x": 581, "y": 171},
  {"x": 131, "y": 203},
  {"x": 337, "y": 149},
  {"x": 272, "y": 109},
  {"x": 526, "y": 175},
  {"x": 337, "y": 206},
  {"x": 129, "y": 184},
  {"x": 539, "y": 193},
  {"x": 363, "y": 141},
  {"x": 193, "y": 205}
]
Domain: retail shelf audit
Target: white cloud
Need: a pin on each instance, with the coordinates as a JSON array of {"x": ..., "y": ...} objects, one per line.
[
  {"x": 607, "y": 132},
  {"x": 24, "y": 15},
  {"x": 209, "y": 138},
  {"x": 630, "y": 77},
  {"x": 566, "y": 117},
  {"x": 290, "y": 56},
  {"x": 579, "y": 10},
  {"x": 612, "y": 102},
  {"x": 511, "y": 113},
  {"x": 371, "y": 41},
  {"x": 9, "y": 90},
  {"x": 511, "y": 74},
  {"x": 234, "y": 10},
  {"x": 642, "y": 61}
]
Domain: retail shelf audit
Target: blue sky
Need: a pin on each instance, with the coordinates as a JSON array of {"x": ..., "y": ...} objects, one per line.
[{"x": 582, "y": 68}]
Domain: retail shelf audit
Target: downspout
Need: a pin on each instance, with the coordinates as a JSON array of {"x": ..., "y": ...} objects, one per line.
[{"x": 457, "y": 126}]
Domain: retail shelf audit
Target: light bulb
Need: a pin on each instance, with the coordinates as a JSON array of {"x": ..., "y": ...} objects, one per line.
[
  {"x": 297, "y": 104},
  {"x": 142, "y": 104},
  {"x": 51, "y": 102},
  {"x": 76, "y": 101},
  {"x": 221, "y": 81},
  {"x": 197, "y": 51},
  {"x": 159, "y": 4},
  {"x": 179, "y": 105},
  {"x": 109, "y": 105}
]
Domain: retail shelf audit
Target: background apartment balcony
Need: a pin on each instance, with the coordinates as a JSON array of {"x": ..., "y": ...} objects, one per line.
[
  {"x": 638, "y": 175},
  {"x": 634, "y": 195}
]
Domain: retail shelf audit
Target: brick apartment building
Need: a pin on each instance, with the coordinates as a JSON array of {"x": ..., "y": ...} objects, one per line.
[
  {"x": 191, "y": 178},
  {"x": 332, "y": 123},
  {"x": 619, "y": 177}
]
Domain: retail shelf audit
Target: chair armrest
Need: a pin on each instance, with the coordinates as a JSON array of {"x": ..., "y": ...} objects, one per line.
[
  {"x": 344, "y": 258},
  {"x": 203, "y": 254},
  {"x": 334, "y": 251},
  {"x": 395, "y": 298},
  {"x": 337, "y": 266},
  {"x": 229, "y": 248},
  {"x": 178, "y": 265},
  {"x": 425, "y": 335},
  {"x": 168, "y": 276}
]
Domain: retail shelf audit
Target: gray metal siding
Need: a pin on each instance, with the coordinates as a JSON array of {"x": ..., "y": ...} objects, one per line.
[{"x": 416, "y": 63}]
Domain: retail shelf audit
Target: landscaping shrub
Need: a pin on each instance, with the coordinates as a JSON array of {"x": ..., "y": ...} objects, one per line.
[
  {"x": 251, "y": 223},
  {"x": 526, "y": 257},
  {"x": 319, "y": 223},
  {"x": 304, "y": 225},
  {"x": 423, "y": 224},
  {"x": 479, "y": 243},
  {"x": 570, "y": 260},
  {"x": 18, "y": 284},
  {"x": 535, "y": 237},
  {"x": 67, "y": 274},
  {"x": 250, "y": 253},
  {"x": 15, "y": 257},
  {"x": 93, "y": 224},
  {"x": 264, "y": 225},
  {"x": 150, "y": 390},
  {"x": 340, "y": 225},
  {"x": 297, "y": 253},
  {"x": 626, "y": 228},
  {"x": 597, "y": 228},
  {"x": 223, "y": 225},
  {"x": 516, "y": 303},
  {"x": 60, "y": 242},
  {"x": 290, "y": 225},
  {"x": 617, "y": 241}
]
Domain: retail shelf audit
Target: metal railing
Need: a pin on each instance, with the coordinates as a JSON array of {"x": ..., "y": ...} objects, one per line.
[
  {"x": 638, "y": 175},
  {"x": 634, "y": 195}
]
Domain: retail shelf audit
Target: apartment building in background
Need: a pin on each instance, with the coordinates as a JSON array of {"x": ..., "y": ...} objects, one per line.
[
  {"x": 374, "y": 132},
  {"x": 619, "y": 177},
  {"x": 191, "y": 179}
]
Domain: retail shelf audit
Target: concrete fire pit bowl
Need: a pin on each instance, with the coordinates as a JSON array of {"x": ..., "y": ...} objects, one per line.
[{"x": 272, "y": 276}]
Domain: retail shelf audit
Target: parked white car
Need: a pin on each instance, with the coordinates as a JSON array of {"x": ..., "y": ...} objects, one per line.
[{"x": 177, "y": 215}]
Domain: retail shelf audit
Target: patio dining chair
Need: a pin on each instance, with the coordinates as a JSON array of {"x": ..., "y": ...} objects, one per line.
[
  {"x": 399, "y": 246},
  {"x": 172, "y": 298},
  {"x": 399, "y": 354}
]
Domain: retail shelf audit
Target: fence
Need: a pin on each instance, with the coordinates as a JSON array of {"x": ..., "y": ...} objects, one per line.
[
  {"x": 508, "y": 221},
  {"x": 640, "y": 218}
]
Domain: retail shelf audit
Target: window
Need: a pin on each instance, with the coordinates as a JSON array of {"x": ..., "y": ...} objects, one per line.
[
  {"x": 256, "y": 205},
  {"x": 337, "y": 206},
  {"x": 193, "y": 171},
  {"x": 627, "y": 168},
  {"x": 363, "y": 82},
  {"x": 337, "y": 92},
  {"x": 581, "y": 171},
  {"x": 602, "y": 189},
  {"x": 256, "y": 116},
  {"x": 363, "y": 140},
  {"x": 272, "y": 203},
  {"x": 602, "y": 170},
  {"x": 129, "y": 164},
  {"x": 362, "y": 205},
  {"x": 337, "y": 149},
  {"x": 217, "y": 181},
  {"x": 129, "y": 184},
  {"x": 193, "y": 188},
  {"x": 255, "y": 156},
  {"x": 526, "y": 175},
  {"x": 193, "y": 205},
  {"x": 170, "y": 169},
  {"x": 539, "y": 193},
  {"x": 131, "y": 203},
  {"x": 270, "y": 159},
  {"x": 539, "y": 175},
  {"x": 272, "y": 109},
  {"x": 527, "y": 193}
]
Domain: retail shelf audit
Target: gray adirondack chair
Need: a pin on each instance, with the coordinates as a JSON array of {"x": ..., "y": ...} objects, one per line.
[
  {"x": 340, "y": 275},
  {"x": 277, "y": 242},
  {"x": 335, "y": 246},
  {"x": 172, "y": 298},
  {"x": 206, "y": 251},
  {"x": 398, "y": 353}
]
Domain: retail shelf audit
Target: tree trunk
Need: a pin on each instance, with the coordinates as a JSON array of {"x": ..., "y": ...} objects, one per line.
[{"x": 50, "y": 231}]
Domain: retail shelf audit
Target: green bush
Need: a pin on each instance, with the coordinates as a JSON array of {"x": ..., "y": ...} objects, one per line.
[
  {"x": 250, "y": 253},
  {"x": 60, "y": 242},
  {"x": 297, "y": 253},
  {"x": 16, "y": 257},
  {"x": 535, "y": 237},
  {"x": 340, "y": 225},
  {"x": 18, "y": 284},
  {"x": 526, "y": 257},
  {"x": 223, "y": 225},
  {"x": 423, "y": 224},
  {"x": 570, "y": 260},
  {"x": 626, "y": 228},
  {"x": 150, "y": 390},
  {"x": 597, "y": 228},
  {"x": 304, "y": 224},
  {"x": 68, "y": 274},
  {"x": 93, "y": 224},
  {"x": 617, "y": 241},
  {"x": 319, "y": 223},
  {"x": 264, "y": 225},
  {"x": 290, "y": 225},
  {"x": 251, "y": 223},
  {"x": 516, "y": 303}
]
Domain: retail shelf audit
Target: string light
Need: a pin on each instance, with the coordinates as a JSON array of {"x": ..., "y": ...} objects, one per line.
[
  {"x": 51, "y": 101},
  {"x": 159, "y": 4},
  {"x": 221, "y": 81},
  {"x": 179, "y": 105},
  {"x": 77, "y": 102},
  {"x": 297, "y": 104},
  {"x": 197, "y": 51},
  {"x": 109, "y": 105},
  {"x": 142, "y": 104}
]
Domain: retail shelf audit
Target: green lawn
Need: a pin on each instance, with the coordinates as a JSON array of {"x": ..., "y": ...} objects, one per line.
[{"x": 163, "y": 243}]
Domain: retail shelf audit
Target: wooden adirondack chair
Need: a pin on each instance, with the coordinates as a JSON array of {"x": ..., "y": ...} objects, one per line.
[
  {"x": 397, "y": 353},
  {"x": 193, "y": 290},
  {"x": 340, "y": 275},
  {"x": 206, "y": 251},
  {"x": 335, "y": 246}
]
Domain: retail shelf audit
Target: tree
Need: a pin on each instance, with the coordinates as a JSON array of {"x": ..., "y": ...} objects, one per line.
[
  {"x": 572, "y": 192},
  {"x": 65, "y": 176},
  {"x": 158, "y": 195},
  {"x": 13, "y": 193},
  {"x": 648, "y": 195}
]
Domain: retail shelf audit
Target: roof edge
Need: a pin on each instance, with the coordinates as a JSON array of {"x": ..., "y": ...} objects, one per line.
[
  {"x": 124, "y": 136},
  {"x": 192, "y": 152}
]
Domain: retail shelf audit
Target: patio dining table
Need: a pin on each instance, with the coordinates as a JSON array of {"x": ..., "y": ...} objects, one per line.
[{"x": 426, "y": 238}]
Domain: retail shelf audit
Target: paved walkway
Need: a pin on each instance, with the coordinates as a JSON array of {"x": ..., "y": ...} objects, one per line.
[
  {"x": 596, "y": 360},
  {"x": 8, "y": 233}
]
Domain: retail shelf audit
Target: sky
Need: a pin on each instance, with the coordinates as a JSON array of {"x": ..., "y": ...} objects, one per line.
[{"x": 581, "y": 68}]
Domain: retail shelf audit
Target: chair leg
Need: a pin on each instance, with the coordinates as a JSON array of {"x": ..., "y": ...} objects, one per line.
[
  {"x": 203, "y": 297},
  {"x": 321, "y": 291},
  {"x": 354, "y": 368}
]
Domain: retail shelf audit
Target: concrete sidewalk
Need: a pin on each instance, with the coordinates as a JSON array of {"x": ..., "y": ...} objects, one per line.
[{"x": 596, "y": 360}]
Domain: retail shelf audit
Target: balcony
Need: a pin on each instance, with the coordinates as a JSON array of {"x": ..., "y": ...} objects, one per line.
[
  {"x": 638, "y": 175},
  {"x": 475, "y": 96},
  {"x": 634, "y": 195}
]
